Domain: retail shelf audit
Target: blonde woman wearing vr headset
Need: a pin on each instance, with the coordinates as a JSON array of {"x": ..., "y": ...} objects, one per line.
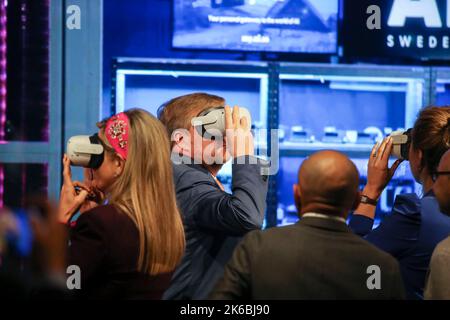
[
  {"x": 128, "y": 247},
  {"x": 205, "y": 134},
  {"x": 416, "y": 225}
]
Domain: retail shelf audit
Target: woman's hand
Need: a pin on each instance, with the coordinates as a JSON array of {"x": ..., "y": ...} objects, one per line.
[
  {"x": 378, "y": 172},
  {"x": 378, "y": 176},
  {"x": 239, "y": 138},
  {"x": 71, "y": 199},
  {"x": 95, "y": 198}
]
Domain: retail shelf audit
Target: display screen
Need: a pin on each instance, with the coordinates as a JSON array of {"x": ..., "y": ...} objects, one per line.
[
  {"x": 415, "y": 29},
  {"x": 289, "y": 26},
  {"x": 341, "y": 113},
  {"x": 349, "y": 115}
]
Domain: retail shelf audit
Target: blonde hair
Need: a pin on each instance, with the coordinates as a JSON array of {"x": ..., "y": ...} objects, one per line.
[{"x": 145, "y": 192}]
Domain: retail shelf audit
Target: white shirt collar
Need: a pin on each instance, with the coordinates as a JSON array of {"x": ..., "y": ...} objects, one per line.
[{"x": 323, "y": 216}]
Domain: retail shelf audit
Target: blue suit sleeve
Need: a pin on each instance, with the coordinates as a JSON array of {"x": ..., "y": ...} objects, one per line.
[
  {"x": 398, "y": 232},
  {"x": 361, "y": 225},
  {"x": 237, "y": 213}
]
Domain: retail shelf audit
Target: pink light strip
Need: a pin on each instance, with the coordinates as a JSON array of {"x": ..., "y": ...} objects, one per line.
[
  {"x": 3, "y": 50},
  {"x": 2, "y": 185},
  {"x": 3, "y": 47}
]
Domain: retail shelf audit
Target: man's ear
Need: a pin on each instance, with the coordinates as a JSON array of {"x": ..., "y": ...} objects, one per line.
[
  {"x": 177, "y": 137},
  {"x": 181, "y": 138},
  {"x": 297, "y": 197},
  {"x": 357, "y": 201}
]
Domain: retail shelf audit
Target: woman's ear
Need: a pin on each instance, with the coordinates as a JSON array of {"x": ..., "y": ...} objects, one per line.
[
  {"x": 419, "y": 160},
  {"x": 119, "y": 163},
  {"x": 415, "y": 157}
]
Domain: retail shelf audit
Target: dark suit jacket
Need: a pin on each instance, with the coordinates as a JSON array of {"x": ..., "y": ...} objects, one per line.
[
  {"x": 104, "y": 243},
  {"x": 410, "y": 234},
  {"x": 313, "y": 259},
  {"x": 214, "y": 223}
]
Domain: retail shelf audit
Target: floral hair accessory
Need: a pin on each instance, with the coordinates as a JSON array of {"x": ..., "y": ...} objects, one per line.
[{"x": 117, "y": 131}]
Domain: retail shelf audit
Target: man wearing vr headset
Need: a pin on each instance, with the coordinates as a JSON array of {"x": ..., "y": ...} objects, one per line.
[{"x": 214, "y": 220}]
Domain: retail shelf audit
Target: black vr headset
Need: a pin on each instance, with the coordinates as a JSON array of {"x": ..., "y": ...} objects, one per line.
[{"x": 86, "y": 151}]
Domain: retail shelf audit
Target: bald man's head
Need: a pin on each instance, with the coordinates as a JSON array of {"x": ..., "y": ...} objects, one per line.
[
  {"x": 328, "y": 182},
  {"x": 441, "y": 186}
]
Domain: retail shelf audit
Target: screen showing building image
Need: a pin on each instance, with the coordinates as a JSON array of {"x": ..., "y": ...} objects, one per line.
[{"x": 297, "y": 26}]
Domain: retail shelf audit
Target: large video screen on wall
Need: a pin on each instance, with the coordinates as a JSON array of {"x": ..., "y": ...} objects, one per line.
[
  {"x": 415, "y": 29},
  {"x": 285, "y": 26}
]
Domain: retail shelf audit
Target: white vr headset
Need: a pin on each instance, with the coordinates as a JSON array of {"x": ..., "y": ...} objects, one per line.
[
  {"x": 401, "y": 141},
  {"x": 85, "y": 151},
  {"x": 211, "y": 122}
]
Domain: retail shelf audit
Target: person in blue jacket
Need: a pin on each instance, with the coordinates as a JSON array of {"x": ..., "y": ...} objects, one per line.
[
  {"x": 214, "y": 220},
  {"x": 416, "y": 225}
]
